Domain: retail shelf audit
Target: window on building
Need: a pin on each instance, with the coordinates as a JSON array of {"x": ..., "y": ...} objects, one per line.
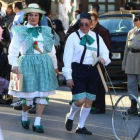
[{"x": 105, "y": 5}]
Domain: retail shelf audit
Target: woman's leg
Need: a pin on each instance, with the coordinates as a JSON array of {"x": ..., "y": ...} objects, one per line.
[
  {"x": 39, "y": 110},
  {"x": 25, "y": 109}
]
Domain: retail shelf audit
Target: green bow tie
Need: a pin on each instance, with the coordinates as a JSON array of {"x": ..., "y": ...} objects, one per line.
[
  {"x": 34, "y": 31},
  {"x": 86, "y": 39}
]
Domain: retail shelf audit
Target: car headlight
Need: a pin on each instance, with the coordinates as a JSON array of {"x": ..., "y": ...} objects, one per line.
[{"x": 116, "y": 55}]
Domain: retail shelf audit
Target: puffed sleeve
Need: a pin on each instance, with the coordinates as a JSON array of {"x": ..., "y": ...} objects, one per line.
[
  {"x": 67, "y": 57},
  {"x": 53, "y": 56},
  {"x": 104, "y": 52},
  {"x": 14, "y": 50}
]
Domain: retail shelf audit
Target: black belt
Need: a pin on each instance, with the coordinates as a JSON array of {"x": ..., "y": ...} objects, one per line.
[
  {"x": 134, "y": 50},
  {"x": 88, "y": 66}
]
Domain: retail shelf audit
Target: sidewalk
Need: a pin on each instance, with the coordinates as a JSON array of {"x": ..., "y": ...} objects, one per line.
[{"x": 53, "y": 121}]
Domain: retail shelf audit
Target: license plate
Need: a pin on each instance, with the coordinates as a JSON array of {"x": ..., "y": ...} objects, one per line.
[{"x": 116, "y": 55}]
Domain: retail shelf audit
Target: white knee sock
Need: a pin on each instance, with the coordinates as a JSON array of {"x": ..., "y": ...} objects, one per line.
[
  {"x": 73, "y": 111},
  {"x": 37, "y": 121},
  {"x": 83, "y": 116},
  {"x": 24, "y": 116}
]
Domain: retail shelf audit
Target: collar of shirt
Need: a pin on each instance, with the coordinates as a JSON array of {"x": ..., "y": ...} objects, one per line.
[
  {"x": 20, "y": 13},
  {"x": 30, "y": 26},
  {"x": 137, "y": 29},
  {"x": 82, "y": 34}
]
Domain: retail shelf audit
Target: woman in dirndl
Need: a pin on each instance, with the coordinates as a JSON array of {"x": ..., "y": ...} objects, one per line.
[{"x": 37, "y": 64}]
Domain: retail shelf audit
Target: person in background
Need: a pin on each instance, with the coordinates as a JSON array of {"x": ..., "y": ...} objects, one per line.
[
  {"x": 98, "y": 106},
  {"x": 62, "y": 12},
  {"x": 131, "y": 61},
  {"x": 76, "y": 13},
  {"x": 8, "y": 21},
  {"x": 74, "y": 25},
  {"x": 34, "y": 42},
  {"x": 80, "y": 75},
  {"x": 58, "y": 27},
  {"x": 18, "y": 17},
  {"x": 1, "y": 12},
  {"x": 71, "y": 11}
]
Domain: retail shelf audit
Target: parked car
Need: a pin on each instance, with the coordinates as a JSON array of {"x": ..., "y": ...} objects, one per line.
[{"x": 119, "y": 23}]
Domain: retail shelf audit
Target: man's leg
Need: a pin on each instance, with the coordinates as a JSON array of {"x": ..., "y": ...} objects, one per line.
[
  {"x": 99, "y": 104},
  {"x": 75, "y": 107},
  {"x": 83, "y": 116},
  {"x": 132, "y": 86}
]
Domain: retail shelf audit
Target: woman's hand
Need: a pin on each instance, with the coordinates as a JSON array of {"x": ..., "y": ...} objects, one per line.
[
  {"x": 57, "y": 72},
  {"x": 70, "y": 83},
  {"x": 15, "y": 70},
  {"x": 102, "y": 61}
]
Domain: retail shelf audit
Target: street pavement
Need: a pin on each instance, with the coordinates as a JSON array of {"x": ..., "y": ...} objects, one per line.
[{"x": 53, "y": 121}]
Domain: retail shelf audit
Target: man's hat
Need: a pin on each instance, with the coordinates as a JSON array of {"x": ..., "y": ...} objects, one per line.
[
  {"x": 136, "y": 15},
  {"x": 85, "y": 15},
  {"x": 33, "y": 8}
]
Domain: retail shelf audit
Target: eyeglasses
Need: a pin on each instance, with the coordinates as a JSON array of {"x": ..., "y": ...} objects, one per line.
[
  {"x": 135, "y": 19},
  {"x": 83, "y": 24}
]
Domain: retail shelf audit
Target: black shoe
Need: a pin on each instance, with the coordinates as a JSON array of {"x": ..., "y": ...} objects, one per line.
[
  {"x": 18, "y": 107},
  {"x": 38, "y": 128},
  {"x": 133, "y": 110},
  {"x": 25, "y": 124},
  {"x": 83, "y": 131},
  {"x": 68, "y": 123},
  {"x": 96, "y": 111},
  {"x": 32, "y": 110}
]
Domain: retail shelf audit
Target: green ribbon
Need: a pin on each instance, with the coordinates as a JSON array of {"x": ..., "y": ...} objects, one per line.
[
  {"x": 86, "y": 39},
  {"x": 39, "y": 127},
  {"x": 26, "y": 122},
  {"x": 70, "y": 103},
  {"x": 23, "y": 101},
  {"x": 34, "y": 31},
  {"x": 93, "y": 108}
]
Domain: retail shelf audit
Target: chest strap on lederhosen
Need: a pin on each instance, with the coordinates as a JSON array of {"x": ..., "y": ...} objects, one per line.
[{"x": 85, "y": 47}]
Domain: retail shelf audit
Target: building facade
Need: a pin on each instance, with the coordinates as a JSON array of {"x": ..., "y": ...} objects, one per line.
[{"x": 106, "y": 5}]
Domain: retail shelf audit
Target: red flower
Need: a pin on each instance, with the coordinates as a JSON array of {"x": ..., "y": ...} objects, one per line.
[{"x": 35, "y": 43}]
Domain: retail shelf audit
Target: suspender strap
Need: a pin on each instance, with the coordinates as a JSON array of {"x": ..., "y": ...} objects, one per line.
[
  {"x": 84, "y": 52},
  {"x": 97, "y": 37},
  {"x": 85, "y": 47}
]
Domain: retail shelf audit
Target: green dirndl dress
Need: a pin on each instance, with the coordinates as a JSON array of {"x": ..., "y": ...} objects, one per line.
[{"x": 39, "y": 78}]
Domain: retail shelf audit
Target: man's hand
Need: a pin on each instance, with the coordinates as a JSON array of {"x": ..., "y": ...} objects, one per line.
[
  {"x": 102, "y": 60},
  {"x": 70, "y": 83},
  {"x": 15, "y": 70}
]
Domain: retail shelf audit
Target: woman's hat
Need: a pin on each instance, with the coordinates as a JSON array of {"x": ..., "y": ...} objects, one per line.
[{"x": 33, "y": 8}]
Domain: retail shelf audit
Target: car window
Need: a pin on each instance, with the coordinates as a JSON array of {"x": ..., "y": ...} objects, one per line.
[{"x": 117, "y": 24}]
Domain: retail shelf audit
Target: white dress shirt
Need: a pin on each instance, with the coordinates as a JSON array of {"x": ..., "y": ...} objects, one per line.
[
  {"x": 73, "y": 52},
  {"x": 17, "y": 45}
]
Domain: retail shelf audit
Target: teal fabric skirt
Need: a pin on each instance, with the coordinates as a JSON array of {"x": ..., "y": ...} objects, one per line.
[{"x": 38, "y": 73}]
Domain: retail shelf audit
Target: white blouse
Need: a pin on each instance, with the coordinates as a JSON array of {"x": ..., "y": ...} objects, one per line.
[
  {"x": 73, "y": 52},
  {"x": 17, "y": 45}
]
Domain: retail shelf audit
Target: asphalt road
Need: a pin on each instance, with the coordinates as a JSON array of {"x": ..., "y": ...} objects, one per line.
[{"x": 53, "y": 121}]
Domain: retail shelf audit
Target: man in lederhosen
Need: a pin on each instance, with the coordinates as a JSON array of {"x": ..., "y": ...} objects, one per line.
[{"x": 81, "y": 76}]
